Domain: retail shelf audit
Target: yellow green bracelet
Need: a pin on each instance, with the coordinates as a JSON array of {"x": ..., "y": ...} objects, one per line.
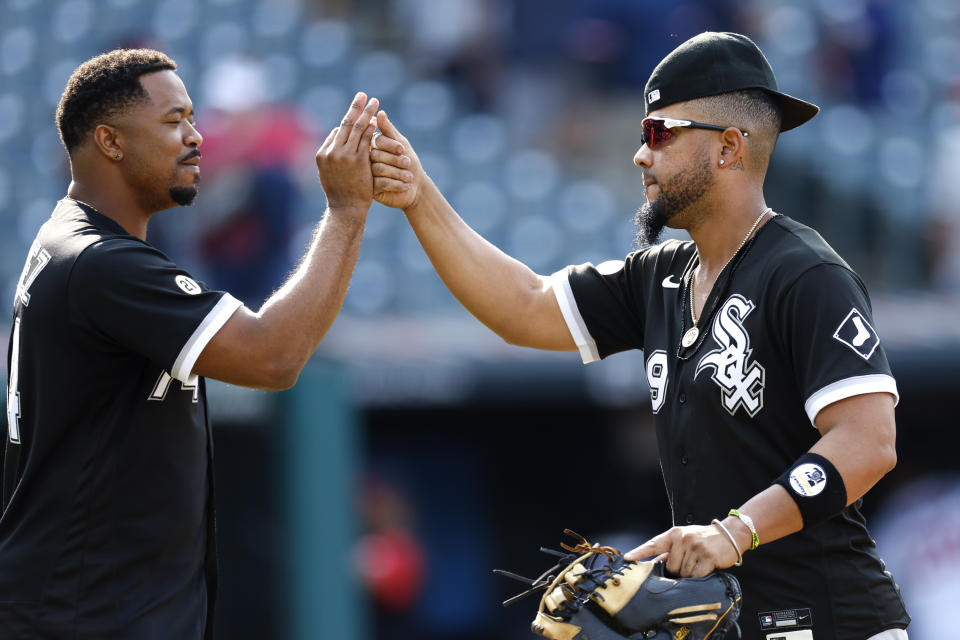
[{"x": 747, "y": 520}]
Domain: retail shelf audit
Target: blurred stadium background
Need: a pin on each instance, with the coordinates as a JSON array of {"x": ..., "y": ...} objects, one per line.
[{"x": 418, "y": 451}]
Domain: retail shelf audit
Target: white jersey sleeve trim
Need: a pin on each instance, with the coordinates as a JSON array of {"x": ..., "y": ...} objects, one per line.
[
  {"x": 208, "y": 327},
  {"x": 560, "y": 284},
  {"x": 849, "y": 387}
]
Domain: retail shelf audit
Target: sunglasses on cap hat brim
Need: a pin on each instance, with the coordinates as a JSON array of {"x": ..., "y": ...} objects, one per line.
[{"x": 654, "y": 131}]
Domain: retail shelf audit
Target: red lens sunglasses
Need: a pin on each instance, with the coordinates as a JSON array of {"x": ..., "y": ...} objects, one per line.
[{"x": 653, "y": 131}]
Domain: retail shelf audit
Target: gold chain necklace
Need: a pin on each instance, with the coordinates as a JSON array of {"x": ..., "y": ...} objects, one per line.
[{"x": 693, "y": 332}]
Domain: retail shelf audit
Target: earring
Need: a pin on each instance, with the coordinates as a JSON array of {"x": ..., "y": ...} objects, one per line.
[
  {"x": 721, "y": 163},
  {"x": 117, "y": 156}
]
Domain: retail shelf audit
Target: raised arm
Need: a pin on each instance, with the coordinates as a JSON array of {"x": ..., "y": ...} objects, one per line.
[
  {"x": 268, "y": 348},
  {"x": 503, "y": 293}
]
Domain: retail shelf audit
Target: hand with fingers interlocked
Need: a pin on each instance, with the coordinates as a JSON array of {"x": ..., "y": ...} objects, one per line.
[
  {"x": 398, "y": 177},
  {"x": 342, "y": 160}
]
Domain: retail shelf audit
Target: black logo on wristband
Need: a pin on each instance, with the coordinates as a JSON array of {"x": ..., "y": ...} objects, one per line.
[{"x": 808, "y": 479}]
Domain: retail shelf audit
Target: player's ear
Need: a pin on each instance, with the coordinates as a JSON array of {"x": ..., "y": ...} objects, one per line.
[
  {"x": 107, "y": 140},
  {"x": 731, "y": 149}
]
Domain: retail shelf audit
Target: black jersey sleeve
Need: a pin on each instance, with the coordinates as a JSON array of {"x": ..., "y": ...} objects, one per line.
[
  {"x": 132, "y": 295},
  {"x": 827, "y": 321},
  {"x": 603, "y": 305}
]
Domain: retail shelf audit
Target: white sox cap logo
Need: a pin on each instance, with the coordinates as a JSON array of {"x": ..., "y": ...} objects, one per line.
[{"x": 740, "y": 380}]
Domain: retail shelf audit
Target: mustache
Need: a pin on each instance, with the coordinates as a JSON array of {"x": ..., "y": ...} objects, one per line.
[{"x": 194, "y": 153}]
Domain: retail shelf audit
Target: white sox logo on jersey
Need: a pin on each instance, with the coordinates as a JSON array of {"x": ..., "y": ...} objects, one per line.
[{"x": 741, "y": 381}]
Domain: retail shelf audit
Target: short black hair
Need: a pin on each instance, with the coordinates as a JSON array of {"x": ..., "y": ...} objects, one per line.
[
  {"x": 753, "y": 110},
  {"x": 747, "y": 108},
  {"x": 102, "y": 87}
]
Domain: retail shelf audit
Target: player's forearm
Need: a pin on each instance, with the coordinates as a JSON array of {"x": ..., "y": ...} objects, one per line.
[
  {"x": 859, "y": 441},
  {"x": 859, "y": 438},
  {"x": 296, "y": 317},
  {"x": 774, "y": 513},
  {"x": 502, "y": 292}
]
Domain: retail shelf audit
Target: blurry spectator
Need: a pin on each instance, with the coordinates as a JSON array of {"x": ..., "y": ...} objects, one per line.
[
  {"x": 623, "y": 39},
  {"x": 390, "y": 558},
  {"x": 458, "y": 38},
  {"x": 942, "y": 236},
  {"x": 919, "y": 531},
  {"x": 249, "y": 190},
  {"x": 856, "y": 49}
]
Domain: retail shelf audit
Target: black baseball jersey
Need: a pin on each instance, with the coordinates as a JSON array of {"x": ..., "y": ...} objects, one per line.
[
  {"x": 786, "y": 331},
  {"x": 107, "y": 522}
]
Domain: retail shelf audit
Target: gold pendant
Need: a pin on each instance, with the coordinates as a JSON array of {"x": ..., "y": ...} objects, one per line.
[{"x": 690, "y": 337}]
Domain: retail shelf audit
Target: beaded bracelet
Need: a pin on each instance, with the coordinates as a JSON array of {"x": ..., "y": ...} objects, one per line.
[{"x": 747, "y": 520}]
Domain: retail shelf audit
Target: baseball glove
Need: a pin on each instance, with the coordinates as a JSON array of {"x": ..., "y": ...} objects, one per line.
[{"x": 592, "y": 593}]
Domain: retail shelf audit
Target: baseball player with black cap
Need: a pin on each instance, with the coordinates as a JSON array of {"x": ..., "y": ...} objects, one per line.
[{"x": 773, "y": 397}]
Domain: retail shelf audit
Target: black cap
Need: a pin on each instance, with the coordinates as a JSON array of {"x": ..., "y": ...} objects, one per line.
[{"x": 712, "y": 63}]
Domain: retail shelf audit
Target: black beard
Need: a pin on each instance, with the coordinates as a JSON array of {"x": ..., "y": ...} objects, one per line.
[
  {"x": 676, "y": 196},
  {"x": 650, "y": 220},
  {"x": 183, "y": 196}
]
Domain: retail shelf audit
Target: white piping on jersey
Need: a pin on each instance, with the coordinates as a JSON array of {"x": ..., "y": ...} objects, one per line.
[
  {"x": 849, "y": 387},
  {"x": 560, "y": 284},
  {"x": 208, "y": 327}
]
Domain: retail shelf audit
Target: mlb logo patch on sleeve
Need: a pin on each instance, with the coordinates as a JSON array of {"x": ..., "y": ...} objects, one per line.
[{"x": 856, "y": 333}]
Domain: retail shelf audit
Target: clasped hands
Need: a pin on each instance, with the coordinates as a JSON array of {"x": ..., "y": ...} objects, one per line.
[{"x": 355, "y": 168}]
